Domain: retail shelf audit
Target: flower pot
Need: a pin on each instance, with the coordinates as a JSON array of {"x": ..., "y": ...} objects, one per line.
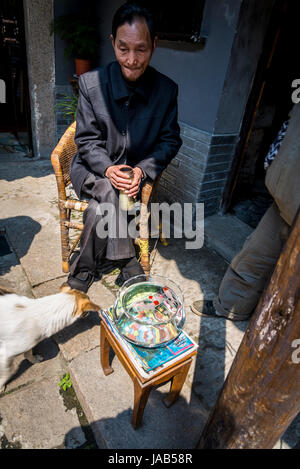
[{"x": 82, "y": 66}]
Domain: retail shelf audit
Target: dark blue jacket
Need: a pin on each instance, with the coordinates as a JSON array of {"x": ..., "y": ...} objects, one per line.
[{"x": 118, "y": 124}]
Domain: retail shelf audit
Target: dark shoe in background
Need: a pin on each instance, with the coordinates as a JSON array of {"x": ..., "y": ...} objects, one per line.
[
  {"x": 105, "y": 266},
  {"x": 206, "y": 308}
]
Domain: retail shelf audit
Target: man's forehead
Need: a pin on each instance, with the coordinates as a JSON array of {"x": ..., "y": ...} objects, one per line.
[
  {"x": 138, "y": 31},
  {"x": 123, "y": 41}
]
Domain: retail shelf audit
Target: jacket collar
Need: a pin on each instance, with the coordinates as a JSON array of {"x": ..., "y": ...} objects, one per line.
[{"x": 118, "y": 83}]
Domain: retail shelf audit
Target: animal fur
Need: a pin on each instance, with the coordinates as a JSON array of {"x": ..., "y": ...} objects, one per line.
[{"x": 24, "y": 322}]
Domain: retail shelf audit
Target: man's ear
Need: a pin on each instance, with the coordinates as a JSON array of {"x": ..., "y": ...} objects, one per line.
[
  {"x": 154, "y": 43},
  {"x": 112, "y": 40}
]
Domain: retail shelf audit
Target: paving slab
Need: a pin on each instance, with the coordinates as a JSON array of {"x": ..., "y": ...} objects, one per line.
[
  {"x": 24, "y": 373},
  {"x": 35, "y": 417},
  {"x": 107, "y": 402},
  {"x": 197, "y": 271},
  {"x": 33, "y": 414},
  {"x": 29, "y": 198},
  {"x": 226, "y": 234},
  {"x": 12, "y": 274}
]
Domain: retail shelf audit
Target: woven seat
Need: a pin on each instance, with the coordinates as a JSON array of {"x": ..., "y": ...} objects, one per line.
[{"x": 68, "y": 203}]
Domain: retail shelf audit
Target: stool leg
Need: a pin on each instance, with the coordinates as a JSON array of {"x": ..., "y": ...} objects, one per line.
[
  {"x": 140, "y": 400},
  {"x": 176, "y": 386},
  {"x": 104, "y": 352}
]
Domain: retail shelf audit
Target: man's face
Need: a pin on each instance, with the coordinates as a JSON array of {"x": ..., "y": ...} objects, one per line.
[{"x": 133, "y": 48}]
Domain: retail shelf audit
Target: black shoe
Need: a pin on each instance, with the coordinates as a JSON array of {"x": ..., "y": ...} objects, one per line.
[
  {"x": 206, "y": 308},
  {"x": 129, "y": 268},
  {"x": 105, "y": 266},
  {"x": 81, "y": 281}
]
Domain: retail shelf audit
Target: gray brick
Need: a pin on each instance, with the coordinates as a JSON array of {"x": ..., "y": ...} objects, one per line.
[
  {"x": 184, "y": 170},
  {"x": 175, "y": 162},
  {"x": 64, "y": 121},
  {"x": 187, "y": 183},
  {"x": 196, "y": 156},
  {"x": 63, "y": 90},
  {"x": 221, "y": 149},
  {"x": 201, "y": 147},
  {"x": 211, "y": 206},
  {"x": 175, "y": 195},
  {"x": 197, "y": 134},
  {"x": 223, "y": 158},
  {"x": 210, "y": 201},
  {"x": 215, "y": 176},
  {"x": 214, "y": 168},
  {"x": 213, "y": 184},
  {"x": 196, "y": 160},
  {"x": 196, "y": 145},
  {"x": 169, "y": 178},
  {"x": 217, "y": 192},
  {"x": 223, "y": 139}
]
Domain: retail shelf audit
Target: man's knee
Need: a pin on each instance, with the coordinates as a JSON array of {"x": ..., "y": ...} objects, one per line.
[
  {"x": 91, "y": 212},
  {"x": 104, "y": 192}
]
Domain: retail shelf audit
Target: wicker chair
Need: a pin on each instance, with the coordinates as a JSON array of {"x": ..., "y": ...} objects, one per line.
[{"x": 61, "y": 158}]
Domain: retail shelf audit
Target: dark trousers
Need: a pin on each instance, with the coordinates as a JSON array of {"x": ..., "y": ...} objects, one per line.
[
  {"x": 94, "y": 249},
  {"x": 252, "y": 267}
]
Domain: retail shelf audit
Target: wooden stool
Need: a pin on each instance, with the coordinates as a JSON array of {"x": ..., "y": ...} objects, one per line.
[{"x": 142, "y": 386}]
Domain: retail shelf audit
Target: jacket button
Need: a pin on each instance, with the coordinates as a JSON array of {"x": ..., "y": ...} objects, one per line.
[{"x": 123, "y": 132}]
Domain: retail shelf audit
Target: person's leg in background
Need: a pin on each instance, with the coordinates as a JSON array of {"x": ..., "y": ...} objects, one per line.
[{"x": 249, "y": 271}]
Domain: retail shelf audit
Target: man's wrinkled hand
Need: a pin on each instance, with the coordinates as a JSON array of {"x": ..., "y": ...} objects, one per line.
[
  {"x": 119, "y": 179},
  {"x": 135, "y": 183}
]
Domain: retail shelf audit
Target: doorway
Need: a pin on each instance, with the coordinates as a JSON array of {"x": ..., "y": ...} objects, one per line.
[
  {"x": 246, "y": 195},
  {"x": 15, "y": 128}
]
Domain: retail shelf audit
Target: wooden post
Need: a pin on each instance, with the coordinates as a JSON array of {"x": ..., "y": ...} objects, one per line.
[{"x": 261, "y": 395}]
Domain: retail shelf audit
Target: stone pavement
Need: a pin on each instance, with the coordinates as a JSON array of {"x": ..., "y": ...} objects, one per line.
[{"x": 96, "y": 411}]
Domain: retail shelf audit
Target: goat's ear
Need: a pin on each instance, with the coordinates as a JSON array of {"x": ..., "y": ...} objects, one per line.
[{"x": 65, "y": 287}]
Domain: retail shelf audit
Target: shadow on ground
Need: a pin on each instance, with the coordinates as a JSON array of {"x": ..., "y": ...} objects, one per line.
[
  {"x": 162, "y": 428},
  {"x": 25, "y": 229},
  {"x": 26, "y": 167},
  {"x": 217, "y": 344}
]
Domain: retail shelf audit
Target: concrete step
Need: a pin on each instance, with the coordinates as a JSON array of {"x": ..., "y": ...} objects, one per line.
[{"x": 226, "y": 234}]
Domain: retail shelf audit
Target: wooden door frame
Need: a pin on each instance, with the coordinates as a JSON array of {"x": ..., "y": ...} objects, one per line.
[{"x": 254, "y": 100}]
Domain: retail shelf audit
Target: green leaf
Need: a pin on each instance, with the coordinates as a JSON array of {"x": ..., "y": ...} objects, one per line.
[{"x": 65, "y": 382}]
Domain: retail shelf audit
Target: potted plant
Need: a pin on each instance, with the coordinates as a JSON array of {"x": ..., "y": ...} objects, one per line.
[
  {"x": 68, "y": 105},
  {"x": 80, "y": 33}
]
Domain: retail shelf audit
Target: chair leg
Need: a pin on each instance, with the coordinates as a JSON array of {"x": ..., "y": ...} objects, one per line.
[
  {"x": 176, "y": 385},
  {"x": 104, "y": 352},
  {"x": 144, "y": 255},
  {"x": 144, "y": 229},
  {"x": 140, "y": 400},
  {"x": 161, "y": 236},
  {"x": 65, "y": 245}
]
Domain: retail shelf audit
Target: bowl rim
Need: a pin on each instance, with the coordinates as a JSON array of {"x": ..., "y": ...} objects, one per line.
[{"x": 123, "y": 289}]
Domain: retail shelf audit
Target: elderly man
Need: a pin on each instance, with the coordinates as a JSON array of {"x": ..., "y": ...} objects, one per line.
[{"x": 127, "y": 116}]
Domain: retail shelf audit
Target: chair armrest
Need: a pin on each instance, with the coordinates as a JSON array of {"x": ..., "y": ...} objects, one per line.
[
  {"x": 148, "y": 190},
  {"x": 58, "y": 174}
]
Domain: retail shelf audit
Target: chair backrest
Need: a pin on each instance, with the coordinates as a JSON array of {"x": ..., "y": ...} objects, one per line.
[{"x": 63, "y": 154}]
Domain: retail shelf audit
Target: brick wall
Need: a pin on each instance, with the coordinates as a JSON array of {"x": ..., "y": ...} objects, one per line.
[{"x": 199, "y": 171}]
